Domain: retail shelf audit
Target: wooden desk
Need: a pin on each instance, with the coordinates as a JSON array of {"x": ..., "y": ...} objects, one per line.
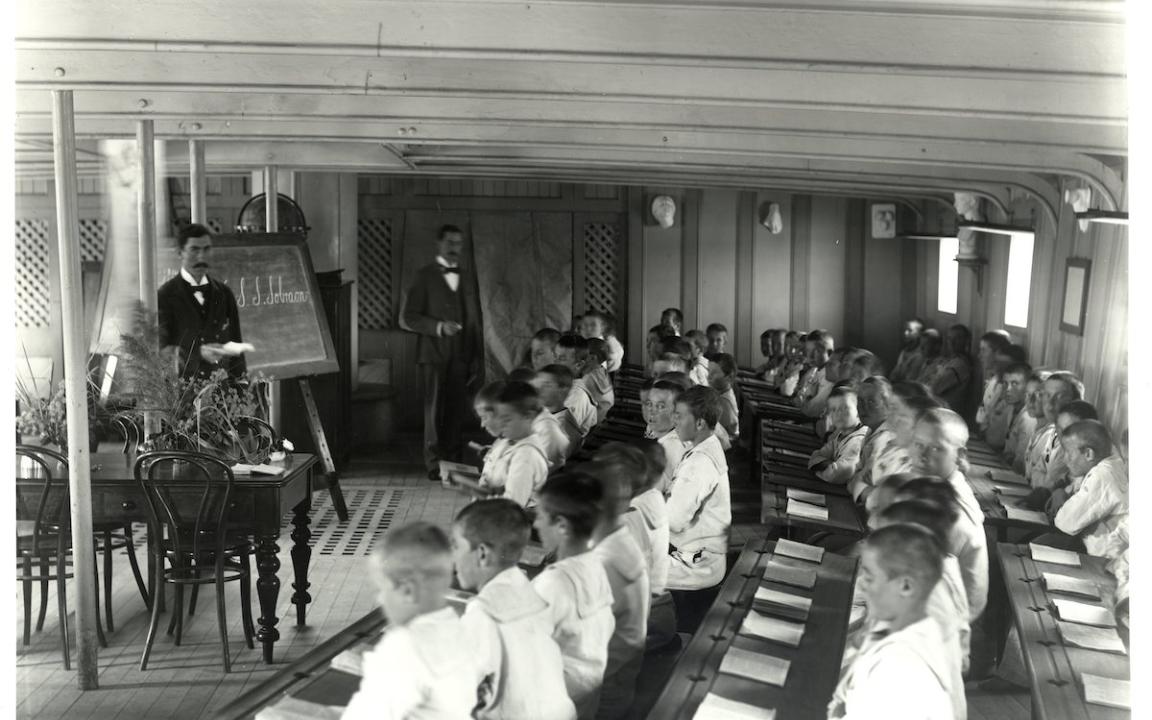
[
  {"x": 815, "y": 667},
  {"x": 843, "y": 515},
  {"x": 799, "y": 479},
  {"x": 995, "y": 516},
  {"x": 1053, "y": 667},
  {"x": 260, "y": 503}
]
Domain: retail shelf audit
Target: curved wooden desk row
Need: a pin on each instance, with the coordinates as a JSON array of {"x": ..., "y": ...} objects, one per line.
[
  {"x": 1055, "y": 667},
  {"x": 815, "y": 662},
  {"x": 260, "y": 504}
]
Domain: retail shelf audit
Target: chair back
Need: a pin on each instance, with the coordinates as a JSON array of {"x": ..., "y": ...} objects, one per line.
[
  {"x": 188, "y": 497},
  {"x": 133, "y": 433},
  {"x": 51, "y": 517}
]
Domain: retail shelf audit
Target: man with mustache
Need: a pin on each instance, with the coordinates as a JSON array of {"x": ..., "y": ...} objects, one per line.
[
  {"x": 198, "y": 314},
  {"x": 441, "y": 307}
]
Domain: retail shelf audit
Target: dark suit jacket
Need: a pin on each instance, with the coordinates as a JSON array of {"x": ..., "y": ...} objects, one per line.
[
  {"x": 182, "y": 325},
  {"x": 430, "y": 301}
]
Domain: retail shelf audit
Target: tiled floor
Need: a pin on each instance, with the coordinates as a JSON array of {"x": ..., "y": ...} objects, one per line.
[{"x": 383, "y": 489}]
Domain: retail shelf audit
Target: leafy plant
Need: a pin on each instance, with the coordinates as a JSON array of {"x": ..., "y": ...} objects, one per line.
[
  {"x": 46, "y": 418},
  {"x": 218, "y": 414}
]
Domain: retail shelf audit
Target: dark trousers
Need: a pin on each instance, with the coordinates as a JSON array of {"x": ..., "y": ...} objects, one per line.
[
  {"x": 446, "y": 404},
  {"x": 692, "y": 606}
]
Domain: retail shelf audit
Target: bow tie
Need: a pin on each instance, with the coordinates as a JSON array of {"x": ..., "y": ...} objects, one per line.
[
  {"x": 450, "y": 270},
  {"x": 198, "y": 288}
]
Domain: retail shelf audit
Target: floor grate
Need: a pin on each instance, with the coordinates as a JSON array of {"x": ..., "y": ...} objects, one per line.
[{"x": 370, "y": 511}]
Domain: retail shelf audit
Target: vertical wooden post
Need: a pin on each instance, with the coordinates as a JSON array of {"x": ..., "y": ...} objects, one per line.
[
  {"x": 271, "y": 200},
  {"x": 199, "y": 177},
  {"x": 146, "y": 209},
  {"x": 76, "y": 387}
]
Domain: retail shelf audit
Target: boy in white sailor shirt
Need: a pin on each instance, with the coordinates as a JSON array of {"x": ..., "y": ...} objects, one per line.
[
  {"x": 572, "y": 353},
  {"x": 546, "y": 426},
  {"x": 519, "y": 466},
  {"x": 553, "y": 384},
  {"x": 508, "y": 626},
  {"x": 1098, "y": 507},
  {"x": 699, "y": 509},
  {"x": 873, "y": 400},
  {"x": 1018, "y": 385},
  {"x": 905, "y": 667},
  {"x": 576, "y": 586},
  {"x": 419, "y": 669},
  {"x": 837, "y": 460},
  {"x": 662, "y": 405}
]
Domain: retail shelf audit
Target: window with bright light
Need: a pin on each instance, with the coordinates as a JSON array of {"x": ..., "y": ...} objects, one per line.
[
  {"x": 1019, "y": 280},
  {"x": 948, "y": 276}
]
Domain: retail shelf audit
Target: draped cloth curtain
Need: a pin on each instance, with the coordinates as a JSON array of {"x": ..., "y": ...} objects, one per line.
[{"x": 524, "y": 272}]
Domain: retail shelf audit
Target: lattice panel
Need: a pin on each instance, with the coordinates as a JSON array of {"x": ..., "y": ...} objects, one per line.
[
  {"x": 93, "y": 239},
  {"x": 31, "y": 273},
  {"x": 600, "y": 274},
  {"x": 375, "y": 273}
]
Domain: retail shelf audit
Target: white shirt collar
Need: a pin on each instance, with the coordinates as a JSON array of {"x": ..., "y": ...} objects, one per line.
[
  {"x": 444, "y": 263},
  {"x": 192, "y": 281}
]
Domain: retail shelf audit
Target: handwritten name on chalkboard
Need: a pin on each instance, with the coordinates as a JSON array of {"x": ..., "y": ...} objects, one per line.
[
  {"x": 268, "y": 290},
  {"x": 278, "y": 299}
]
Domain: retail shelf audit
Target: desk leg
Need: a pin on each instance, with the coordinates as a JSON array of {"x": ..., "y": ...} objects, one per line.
[
  {"x": 268, "y": 590},
  {"x": 301, "y": 555}
]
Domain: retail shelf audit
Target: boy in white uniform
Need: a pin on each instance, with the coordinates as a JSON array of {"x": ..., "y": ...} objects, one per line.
[
  {"x": 1097, "y": 508},
  {"x": 939, "y": 449},
  {"x": 837, "y": 460},
  {"x": 627, "y": 571},
  {"x": 509, "y": 626},
  {"x": 1021, "y": 424},
  {"x": 553, "y": 384},
  {"x": 419, "y": 669},
  {"x": 662, "y": 405},
  {"x": 520, "y": 465},
  {"x": 546, "y": 426},
  {"x": 903, "y": 669},
  {"x": 698, "y": 369},
  {"x": 594, "y": 324},
  {"x": 575, "y": 586},
  {"x": 572, "y": 353},
  {"x": 699, "y": 509},
  {"x": 722, "y": 378},
  {"x": 873, "y": 401}
]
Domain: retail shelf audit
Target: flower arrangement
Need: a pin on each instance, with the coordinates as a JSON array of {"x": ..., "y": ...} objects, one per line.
[{"x": 219, "y": 414}]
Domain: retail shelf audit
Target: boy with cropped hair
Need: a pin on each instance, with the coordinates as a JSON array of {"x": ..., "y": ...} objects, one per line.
[
  {"x": 542, "y": 348},
  {"x": 1017, "y": 377},
  {"x": 838, "y": 458},
  {"x": 576, "y": 587},
  {"x": 698, "y": 367},
  {"x": 903, "y": 668},
  {"x": 939, "y": 449},
  {"x": 717, "y": 339},
  {"x": 1098, "y": 503},
  {"x": 673, "y": 319},
  {"x": 664, "y": 394},
  {"x": 597, "y": 380},
  {"x": 554, "y": 385},
  {"x": 873, "y": 400},
  {"x": 519, "y": 466},
  {"x": 699, "y": 509},
  {"x": 597, "y": 325},
  {"x": 722, "y": 379},
  {"x": 546, "y": 426},
  {"x": 572, "y": 353},
  {"x": 418, "y": 668},
  {"x": 814, "y": 387},
  {"x": 509, "y": 626}
]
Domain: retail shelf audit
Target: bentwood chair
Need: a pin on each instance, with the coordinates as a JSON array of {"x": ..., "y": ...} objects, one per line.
[
  {"x": 189, "y": 500},
  {"x": 46, "y": 541}
]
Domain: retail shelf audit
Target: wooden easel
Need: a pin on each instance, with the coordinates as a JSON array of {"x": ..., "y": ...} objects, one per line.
[{"x": 321, "y": 443}]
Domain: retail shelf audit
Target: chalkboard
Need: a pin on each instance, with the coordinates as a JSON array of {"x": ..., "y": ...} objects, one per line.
[{"x": 281, "y": 313}]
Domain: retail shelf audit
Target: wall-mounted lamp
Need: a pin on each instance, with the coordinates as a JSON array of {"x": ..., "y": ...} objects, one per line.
[
  {"x": 663, "y": 210},
  {"x": 771, "y": 218}
]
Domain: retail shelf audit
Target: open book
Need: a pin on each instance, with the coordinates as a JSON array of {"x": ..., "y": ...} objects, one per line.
[
  {"x": 715, "y": 707},
  {"x": 289, "y": 708}
]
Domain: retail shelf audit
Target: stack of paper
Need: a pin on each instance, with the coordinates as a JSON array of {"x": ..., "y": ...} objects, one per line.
[
  {"x": 1107, "y": 691},
  {"x": 351, "y": 660},
  {"x": 1012, "y": 491},
  {"x": 800, "y": 551},
  {"x": 755, "y": 666},
  {"x": 1069, "y": 585},
  {"x": 783, "y": 599},
  {"x": 289, "y": 708},
  {"x": 1007, "y": 477},
  {"x": 808, "y": 497},
  {"x": 806, "y": 510},
  {"x": 1084, "y": 614},
  {"x": 1043, "y": 553},
  {"x": 1091, "y": 638},
  {"x": 715, "y": 707},
  {"x": 262, "y": 469},
  {"x": 1032, "y": 516},
  {"x": 770, "y": 628},
  {"x": 777, "y": 571}
]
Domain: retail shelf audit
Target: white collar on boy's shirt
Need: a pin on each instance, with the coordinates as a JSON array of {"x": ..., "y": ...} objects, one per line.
[{"x": 453, "y": 279}]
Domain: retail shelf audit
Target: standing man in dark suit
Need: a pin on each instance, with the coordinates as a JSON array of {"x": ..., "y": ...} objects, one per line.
[
  {"x": 441, "y": 308},
  {"x": 197, "y": 314}
]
